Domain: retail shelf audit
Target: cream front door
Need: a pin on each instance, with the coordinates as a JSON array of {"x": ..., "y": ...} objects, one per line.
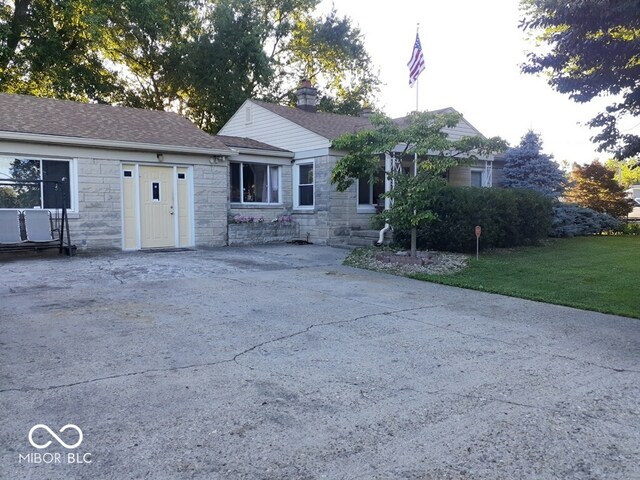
[{"x": 157, "y": 213}]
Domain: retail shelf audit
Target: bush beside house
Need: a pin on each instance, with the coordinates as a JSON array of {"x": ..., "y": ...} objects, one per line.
[{"x": 508, "y": 217}]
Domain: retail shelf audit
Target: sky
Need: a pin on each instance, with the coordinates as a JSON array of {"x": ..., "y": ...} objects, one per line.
[{"x": 473, "y": 51}]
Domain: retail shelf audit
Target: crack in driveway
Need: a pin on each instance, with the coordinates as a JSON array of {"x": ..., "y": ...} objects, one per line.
[
  {"x": 325, "y": 324},
  {"x": 233, "y": 359}
]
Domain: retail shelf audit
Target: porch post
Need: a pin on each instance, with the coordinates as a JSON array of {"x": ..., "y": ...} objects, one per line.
[{"x": 388, "y": 168}]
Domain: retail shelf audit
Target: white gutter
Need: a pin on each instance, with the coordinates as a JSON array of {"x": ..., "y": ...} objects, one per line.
[
  {"x": 110, "y": 144},
  {"x": 266, "y": 153}
]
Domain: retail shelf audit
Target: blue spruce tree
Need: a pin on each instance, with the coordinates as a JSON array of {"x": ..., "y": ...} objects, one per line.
[{"x": 526, "y": 167}]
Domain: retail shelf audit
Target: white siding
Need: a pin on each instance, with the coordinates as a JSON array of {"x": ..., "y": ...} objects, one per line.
[
  {"x": 265, "y": 126},
  {"x": 462, "y": 129}
]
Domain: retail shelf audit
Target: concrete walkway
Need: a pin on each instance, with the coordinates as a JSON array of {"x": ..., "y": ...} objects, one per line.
[{"x": 279, "y": 363}]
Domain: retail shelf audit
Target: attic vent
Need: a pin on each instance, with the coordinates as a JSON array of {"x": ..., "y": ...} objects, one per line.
[{"x": 248, "y": 115}]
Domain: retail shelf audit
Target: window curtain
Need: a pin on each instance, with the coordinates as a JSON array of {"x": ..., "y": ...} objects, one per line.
[{"x": 275, "y": 188}]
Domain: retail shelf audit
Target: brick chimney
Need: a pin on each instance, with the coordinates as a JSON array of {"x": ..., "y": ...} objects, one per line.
[
  {"x": 307, "y": 96},
  {"x": 366, "y": 111}
]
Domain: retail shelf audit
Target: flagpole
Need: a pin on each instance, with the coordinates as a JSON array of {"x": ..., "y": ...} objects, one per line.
[
  {"x": 418, "y": 79},
  {"x": 415, "y": 156}
]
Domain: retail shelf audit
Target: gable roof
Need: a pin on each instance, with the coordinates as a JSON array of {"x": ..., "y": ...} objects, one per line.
[
  {"x": 332, "y": 125},
  {"x": 64, "y": 121},
  {"x": 327, "y": 125}
]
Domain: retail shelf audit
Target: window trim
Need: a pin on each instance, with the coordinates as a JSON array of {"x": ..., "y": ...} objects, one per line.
[
  {"x": 482, "y": 177},
  {"x": 73, "y": 177},
  {"x": 297, "y": 185},
  {"x": 268, "y": 167},
  {"x": 366, "y": 207}
]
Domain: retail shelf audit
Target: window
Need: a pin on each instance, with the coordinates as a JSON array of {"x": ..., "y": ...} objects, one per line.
[
  {"x": 476, "y": 178},
  {"x": 36, "y": 195},
  {"x": 255, "y": 183},
  {"x": 305, "y": 185},
  {"x": 369, "y": 193}
]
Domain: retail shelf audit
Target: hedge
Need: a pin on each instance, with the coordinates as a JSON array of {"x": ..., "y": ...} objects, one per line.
[{"x": 508, "y": 218}]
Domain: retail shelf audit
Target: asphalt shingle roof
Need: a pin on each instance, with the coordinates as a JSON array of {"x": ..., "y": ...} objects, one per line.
[
  {"x": 327, "y": 125},
  {"x": 245, "y": 142},
  {"x": 47, "y": 116}
]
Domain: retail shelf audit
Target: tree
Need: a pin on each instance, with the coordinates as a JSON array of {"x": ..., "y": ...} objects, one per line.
[
  {"x": 200, "y": 57},
  {"x": 590, "y": 49},
  {"x": 330, "y": 53},
  {"x": 525, "y": 166},
  {"x": 412, "y": 196},
  {"x": 627, "y": 173},
  {"x": 53, "y": 49},
  {"x": 594, "y": 186},
  {"x": 147, "y": 40}
]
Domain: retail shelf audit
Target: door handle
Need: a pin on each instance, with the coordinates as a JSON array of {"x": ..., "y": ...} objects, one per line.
[{"x": 171, "y": 210}]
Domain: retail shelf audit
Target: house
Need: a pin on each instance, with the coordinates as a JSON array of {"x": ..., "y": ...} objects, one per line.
[
  {"x": 141, "y": 179},
  {"x": 137, "y": 178},
  {"x": 633, "y": 192},
  {"x": 324, "y": 214}
]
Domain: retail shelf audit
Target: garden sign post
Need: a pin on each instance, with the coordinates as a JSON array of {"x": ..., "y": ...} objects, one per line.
[{"x": 478, "y": 232}]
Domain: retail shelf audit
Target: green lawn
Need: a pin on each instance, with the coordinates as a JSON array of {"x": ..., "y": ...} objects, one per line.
[{"x": 592, "y": 273}]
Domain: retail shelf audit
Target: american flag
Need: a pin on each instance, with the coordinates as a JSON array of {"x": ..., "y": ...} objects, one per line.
[{"x": 416, "y": 64}]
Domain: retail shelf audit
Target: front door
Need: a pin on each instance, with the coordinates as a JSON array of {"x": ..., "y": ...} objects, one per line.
[{"x": 157, "y": 213}]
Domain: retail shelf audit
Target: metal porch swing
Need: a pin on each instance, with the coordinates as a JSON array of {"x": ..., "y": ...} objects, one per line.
[{"x": 35, "y": 228}]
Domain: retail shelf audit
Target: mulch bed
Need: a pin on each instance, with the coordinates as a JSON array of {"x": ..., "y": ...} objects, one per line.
[{"x": 402, "y": 258}]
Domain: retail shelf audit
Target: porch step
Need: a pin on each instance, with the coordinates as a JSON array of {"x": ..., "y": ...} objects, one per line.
[{"x": 367, "y": 238}]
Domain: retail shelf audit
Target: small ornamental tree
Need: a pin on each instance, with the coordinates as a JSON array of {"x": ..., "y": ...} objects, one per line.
[
  {"x": 412, "y": 196},
  {"x": 594, "y": 186},
  {"x": 525, "y": 166}
]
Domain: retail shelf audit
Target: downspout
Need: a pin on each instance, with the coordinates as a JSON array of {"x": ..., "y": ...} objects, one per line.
[
  {"x": 380, "y": 241},
  {"x": 388, "y": 168}
]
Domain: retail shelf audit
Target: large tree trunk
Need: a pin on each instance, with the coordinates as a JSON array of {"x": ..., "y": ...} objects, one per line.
[{"x": 19, "y": 18}]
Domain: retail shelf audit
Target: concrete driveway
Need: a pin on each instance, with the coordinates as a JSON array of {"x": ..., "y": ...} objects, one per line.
[{"x": 279, "y": 363}]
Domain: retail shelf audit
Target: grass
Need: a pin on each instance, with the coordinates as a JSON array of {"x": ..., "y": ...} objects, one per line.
[{"x": 592, "y": 273}]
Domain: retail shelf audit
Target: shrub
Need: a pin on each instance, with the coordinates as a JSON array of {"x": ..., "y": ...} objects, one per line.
[
  {"x": 571, "y": 220},
  {"x": 508, "y": 217},
  {"x": 628, "y": 228},
  {"x": 526, "y": 167}
]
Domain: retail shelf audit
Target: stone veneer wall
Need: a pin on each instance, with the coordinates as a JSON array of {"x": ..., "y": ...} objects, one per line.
[
  {"x": 210, "y": 204},
  {"x": 98, "y": 224},
  {"x": 335, "y": 213},
  {"x": 460, "y": 176},
  {"x": 262, "y": 233}
]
